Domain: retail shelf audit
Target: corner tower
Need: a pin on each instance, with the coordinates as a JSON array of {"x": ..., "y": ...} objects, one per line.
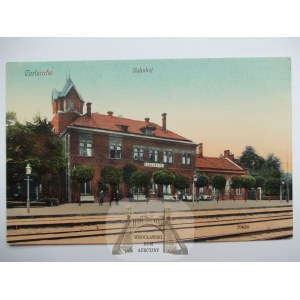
[{"x": 67, "y": 106}]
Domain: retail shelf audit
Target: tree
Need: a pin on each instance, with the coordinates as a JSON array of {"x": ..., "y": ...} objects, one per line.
[
  {"x": 272, "y": 167},
  {"x": 127, "y": 171},
  {"x": 236, "y": 182},
  {"x": 33, "y": 143},
  {"x": 259, "y": 182},
  {"x": 248, "y": 182},
  {"x": 140, "y": 179},
  {"x": 181, "y": 182},
  {"x": 163, "y": 177},
  {"x": 251, "y": 160},
  {"x": 11, "y": 117},
  {"x": 111, "y": 175},
  {"x": 202, "y": 181},
  {"x": 83, "y": 173},
  {"x": 219, "y": 182},
  {"x": 272, "y": 186}
]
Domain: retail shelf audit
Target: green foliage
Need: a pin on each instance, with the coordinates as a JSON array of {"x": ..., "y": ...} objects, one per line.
[
  {"x": 248, "y": 182},
  {"x": 219, "y": 182},
  {"x": 127, "y": 171},
  {"x": 11, "y": 117},
  {"x": 202, "y": 180},
  {"x": 163, "y": 176},
  {"x": 271, "y": 167},
  {"x": 111, "y": 175},
  {"x": 236, "y": 182},
  {"x": 272, "y": 186},
  {"x": 83, "y": 173},
  {"x": 259, "y": 181},
  {"x": 181, "y": 182},
  {"x": 251, "y": 160},
  {"x": 140, "y": 179},
  {"x": 33, "y": 143}
]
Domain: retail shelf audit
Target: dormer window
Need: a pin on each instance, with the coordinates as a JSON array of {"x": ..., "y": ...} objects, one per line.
[
  {"x": 123, "y": 128},
  {"x": 148, "y": 130}
]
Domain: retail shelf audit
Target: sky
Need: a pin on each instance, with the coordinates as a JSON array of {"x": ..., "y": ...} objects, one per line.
[{"x": 225, "y": 104}]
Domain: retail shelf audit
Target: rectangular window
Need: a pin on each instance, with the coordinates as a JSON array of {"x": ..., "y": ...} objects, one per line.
[
  {"x": 156, "y": 155},
  {"x": 186, "y": 158},
  {"x": 112, "y": 152},
  {"x": 238, "y": 191},
  {"x": 138, "y": 153},
  {"x": 165, "y": 156},
  {"x": 115, "y": 152},
  {"x": 141, "y": 156},
  {"x": 86, "y": 188},
  {"x": 168, "y": 157},
  {"x": 86, "y": 148},
  {"x": 119, "y": 152},
  {"x": 153, "y": 155}
]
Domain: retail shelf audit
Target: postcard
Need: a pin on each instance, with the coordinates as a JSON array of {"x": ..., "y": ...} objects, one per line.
[{"x": 149, "y": 156}]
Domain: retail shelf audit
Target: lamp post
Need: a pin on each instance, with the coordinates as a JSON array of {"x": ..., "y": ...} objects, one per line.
[
  {"x": 28, "y": 172},
  {"x": 194, "y": 180},
  {"x": 287, "y": 190},
  {"x": 281, "y": 190}
]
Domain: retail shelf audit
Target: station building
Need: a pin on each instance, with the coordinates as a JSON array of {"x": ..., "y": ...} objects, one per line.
[
  {"x": 101, "y": 140},
  {"x": 226, "y": 166}
]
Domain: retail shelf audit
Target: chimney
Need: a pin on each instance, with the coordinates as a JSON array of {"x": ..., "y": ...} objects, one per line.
[
  {"x": 200, "y": 150},
  {"x": 164, "y": 122},
  {"x": 89, "y": 109},
  {"x": 110, "y": 113},
  {"x": 229, "y": 155},
  {"x": 147, "y": 120}
]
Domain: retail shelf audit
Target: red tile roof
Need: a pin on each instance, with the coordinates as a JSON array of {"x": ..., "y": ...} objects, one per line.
[
  {"x": 112, "y": 123},
  {"x": 217, "y": 163}
]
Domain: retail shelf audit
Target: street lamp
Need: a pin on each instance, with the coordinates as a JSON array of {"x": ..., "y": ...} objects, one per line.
[
  {"x": 281, "y": 190},
  {"x": 28, "y": 172},
  {"x": 195, "y": 177}
]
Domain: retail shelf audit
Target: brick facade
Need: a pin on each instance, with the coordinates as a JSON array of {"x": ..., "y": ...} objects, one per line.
[{"x": 100, "y": 154}]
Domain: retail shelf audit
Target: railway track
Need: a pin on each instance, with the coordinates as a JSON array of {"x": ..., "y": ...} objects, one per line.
[{"x": 197, "y": 226}]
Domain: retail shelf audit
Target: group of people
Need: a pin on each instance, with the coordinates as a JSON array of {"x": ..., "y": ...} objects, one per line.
[{"x": 115, "y": 197}]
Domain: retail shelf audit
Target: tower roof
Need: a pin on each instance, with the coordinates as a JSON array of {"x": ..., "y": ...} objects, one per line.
[{"x": 67, "y": 87}]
